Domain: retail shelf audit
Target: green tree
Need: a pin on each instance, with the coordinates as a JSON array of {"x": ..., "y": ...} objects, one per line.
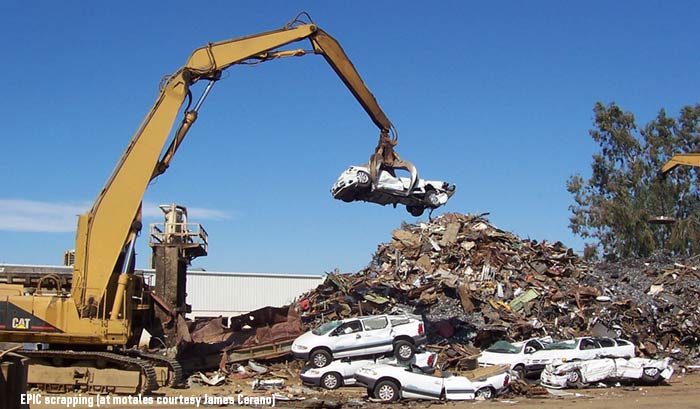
[{"x": 613, "y": 207}]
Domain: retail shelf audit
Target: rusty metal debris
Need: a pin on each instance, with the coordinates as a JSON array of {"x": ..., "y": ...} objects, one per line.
[{"x": 473, "y": 284}]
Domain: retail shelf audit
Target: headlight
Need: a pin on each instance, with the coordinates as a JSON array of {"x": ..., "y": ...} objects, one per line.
[{"x": 301, "y": 347}]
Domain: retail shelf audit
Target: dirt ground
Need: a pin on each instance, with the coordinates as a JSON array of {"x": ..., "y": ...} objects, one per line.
[{"x": 681, "y": 392}]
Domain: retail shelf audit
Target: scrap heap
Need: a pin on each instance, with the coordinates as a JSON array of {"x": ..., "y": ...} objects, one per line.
[{"x": 474, "y": 283}]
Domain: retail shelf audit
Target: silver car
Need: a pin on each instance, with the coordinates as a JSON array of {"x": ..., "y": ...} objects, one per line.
[{"x": 354, "y": 184}]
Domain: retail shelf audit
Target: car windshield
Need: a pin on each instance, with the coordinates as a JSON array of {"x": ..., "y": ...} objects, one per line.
[
  {"x": 504, "y": 347},
  {"x": 570, "y": 344},
  {"x": 326, "y": 328}
]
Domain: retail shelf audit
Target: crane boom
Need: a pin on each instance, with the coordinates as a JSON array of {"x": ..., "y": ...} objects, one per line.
[
  {"x": 687, "y": 159},
  {"x": 105, "y": 234}
]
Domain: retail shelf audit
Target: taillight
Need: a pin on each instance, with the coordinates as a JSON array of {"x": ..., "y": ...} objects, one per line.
[
  {"x": 506, "y": 381},
  {"x": 420, "y": 328},
  {"x": 431, "y": 359}
]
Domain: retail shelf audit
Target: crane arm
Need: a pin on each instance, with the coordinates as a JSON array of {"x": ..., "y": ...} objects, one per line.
[
  {"x": 687, "y": 159},
  {"x": 105, "y": 235}
]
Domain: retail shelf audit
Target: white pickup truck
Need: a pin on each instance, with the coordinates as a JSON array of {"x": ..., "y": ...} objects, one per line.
[{"x": 362, "y": 336}]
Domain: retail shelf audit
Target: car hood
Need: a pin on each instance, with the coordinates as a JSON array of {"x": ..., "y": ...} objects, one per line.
[{"x": 308, "y": 339}]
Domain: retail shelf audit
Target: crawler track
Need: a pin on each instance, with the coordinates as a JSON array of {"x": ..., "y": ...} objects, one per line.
[
  {"x": 147, "y": 384},
  {"x": 174, "y": 378}
]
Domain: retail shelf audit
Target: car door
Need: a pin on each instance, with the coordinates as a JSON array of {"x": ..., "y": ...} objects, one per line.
[
  {"x": 377, "y": 335},
  {"x": 348, "y": 340},
  {"x": 416, "y": 384},
  {"x": 608, "y": 347},
  {"x": 458, "y": 388},
  {"x": 624, "y": 348}
]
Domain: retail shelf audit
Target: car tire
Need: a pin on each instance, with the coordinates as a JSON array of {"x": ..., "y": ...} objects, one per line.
[
  {"x": 574, "y": 379},
  {"x": 415, "y": 211},
  {"x": 404, "y": 350},
  {"x": 486, "y": 392},
  {"x": 519, "y": 371},
  {"x": 332, "y": 380},
  {"x": 320, "y": 358},
  {"x": 363, "y": 178},
  {"x": 431, "y": 199},
  {"x": 386, "y": 391},
  {"x": 651, "y": 375}
]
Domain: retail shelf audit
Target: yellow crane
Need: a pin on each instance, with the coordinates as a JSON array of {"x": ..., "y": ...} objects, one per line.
[{"x": 106, "y": 305}]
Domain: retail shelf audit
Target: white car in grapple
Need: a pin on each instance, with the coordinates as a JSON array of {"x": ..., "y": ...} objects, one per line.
[
  {"x": 355, "y": 184},
  {"x": 341, "y": 372},
  {"x": 363, "y": 336},
  {"x": 512, "y": 354},
  {"x": 577, "y": 349},
  {"x": 578, "y": 374},
  {"x": 389, "y": 383}
]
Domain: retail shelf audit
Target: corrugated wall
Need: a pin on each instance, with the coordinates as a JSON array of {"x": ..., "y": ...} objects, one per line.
[{"x": 212, "y": 294}]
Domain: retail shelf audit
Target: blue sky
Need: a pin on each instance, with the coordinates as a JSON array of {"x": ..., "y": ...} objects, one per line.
[{"x": 495, "y": 97}]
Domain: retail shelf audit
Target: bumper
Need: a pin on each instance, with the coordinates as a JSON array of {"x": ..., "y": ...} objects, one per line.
[
  {"x": 311, "y": 380},
  {"x": 550, "y": 380},
  {"x": 420, "y": 339},
  {"x": 364, "y": 381},
  {"x": 303, "y": 355}
]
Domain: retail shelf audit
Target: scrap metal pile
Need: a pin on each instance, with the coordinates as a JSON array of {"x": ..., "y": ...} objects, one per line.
[{"x": 474, "y": 283}]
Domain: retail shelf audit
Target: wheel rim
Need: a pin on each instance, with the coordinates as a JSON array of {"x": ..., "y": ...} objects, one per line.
[
  {"x": 386, "y": 392},
  {"x": 573, "y": 376},
  {"x": 330, "y": 381},
  {"x": 651, "y": 372},
  {"x": 320, "y": 360},
  {"x": 405, "y": 351},
  {"x": 484, "y": 393},
  {"x": 363, "y": 178},
  {"x": 433, "y": 199}
]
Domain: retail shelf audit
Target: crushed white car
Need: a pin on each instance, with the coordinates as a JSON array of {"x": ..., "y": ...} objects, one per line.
[
  {"x": 579, "y": 374},
  {"x": 582, "y": 348},
  {"x": 341, "y": 372},
  {"x": 389, "y": 383},
  {"x": 512, "y": 354},
  {"x": 355, "y": 184},
  {"x": 362, "y": 336}
]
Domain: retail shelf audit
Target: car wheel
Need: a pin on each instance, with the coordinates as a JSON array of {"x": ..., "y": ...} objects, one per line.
[
  {"x": 574, "y": 379},
  {"x": 486, "y": 392},
  {"x": 519, "y": 371},
  {"x": 651, "y": 375},
  {"x": 320, "y": 358},
  {"x": 431, "y": 199},
  {"x": 404, "y": 350},
  {"x": 331, "y": 380},
  {"x": 386, "y": 391},
  {"x": 363, "y": 178},
  {"x": 415, "y": 211}
]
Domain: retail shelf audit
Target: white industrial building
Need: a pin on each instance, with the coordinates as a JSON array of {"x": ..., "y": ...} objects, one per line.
[{"x": 213, "y": 294}]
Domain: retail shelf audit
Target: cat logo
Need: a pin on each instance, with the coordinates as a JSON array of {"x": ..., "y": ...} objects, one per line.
[{"x": 20, "y": 323}]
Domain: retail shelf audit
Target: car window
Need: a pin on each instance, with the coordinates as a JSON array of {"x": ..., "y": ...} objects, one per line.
[
  {"x": 606, "y": 342},
  {"x": 532, "y": 346},
  {"x": 350, "y": 327},
  {"x": 570, "y": 344},
  {"x": 326, "y": 328},
  {"x": 375, "y": 323},
  {"x": 504, "y": 347},
  {"x": 622, "y": 342},
  {"x": 589, "y": 344}
]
